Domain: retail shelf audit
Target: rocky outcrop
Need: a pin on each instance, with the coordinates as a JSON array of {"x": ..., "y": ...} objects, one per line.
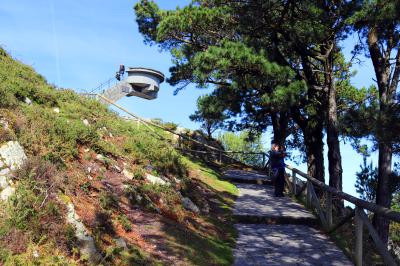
[
  {"x": 86, "y": 241},
  {"x": 12, "y": 156},
  {"x": 155, "y": 180},
  {"x": 190, "y": 206}
]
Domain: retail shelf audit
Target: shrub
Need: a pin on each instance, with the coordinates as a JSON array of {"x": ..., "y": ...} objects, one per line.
[
  {"x": 70, "y": 237},
  {"x": 126, "y": 224},
  {"x": 139, "y": 173},
  {"x": 170, "y": 126},
  {"x": 103, "y": 223},
  {"x": 45, "y": 132},
  {"x": 108, "y": 200}
]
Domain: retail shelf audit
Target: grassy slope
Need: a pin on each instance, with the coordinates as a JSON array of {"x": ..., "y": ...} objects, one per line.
[{"x": 62, "y": 155}]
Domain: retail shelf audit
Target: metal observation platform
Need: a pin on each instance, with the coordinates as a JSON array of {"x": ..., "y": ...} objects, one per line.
[
  {"x": 138, "y": 81},
  {"x": 144, "y": 82}
]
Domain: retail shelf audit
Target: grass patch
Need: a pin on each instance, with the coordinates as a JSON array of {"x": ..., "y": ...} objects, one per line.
[
  {"x": 197, "y": 249},
  {"x": 210, "y": 177}
]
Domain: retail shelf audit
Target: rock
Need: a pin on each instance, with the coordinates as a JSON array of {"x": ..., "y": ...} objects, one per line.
[
  {"x": 3, "y": 182},
  {"x": 176, "y": 180},
  {"x": 117, "y": 168},
  {"x": 128, "y": 174},
  {"x": 56, "y": 110},
  {"x": 181, "y": 130},
  {"x": 206, "y": 208},
  {"x": 149, "y": 168},
  {"x": 28, "y": 101},
  {"x": 87, "y": 244},
  {"x": 85, "y": 122},
  {"x": 120, "y": 242},
  {"x": 4, "y": 124},
  {"x": 12, "y": 155},
  {"x": 6, "y": 193},
  {"x": 35, "y": 254},
  {"x": 156, "y": 180},
  {"x": 189, "y": 205},
  {"x": 101, "y": 158},
  {"x": 138, "y": 198},
  {"x": 4, "y": 171}
]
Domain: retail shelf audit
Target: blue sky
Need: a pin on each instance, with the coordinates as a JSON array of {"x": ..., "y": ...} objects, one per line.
[{"x": 79, "y": 44}]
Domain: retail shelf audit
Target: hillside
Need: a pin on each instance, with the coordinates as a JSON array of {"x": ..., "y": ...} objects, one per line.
[{"x": 93, "y": 188}]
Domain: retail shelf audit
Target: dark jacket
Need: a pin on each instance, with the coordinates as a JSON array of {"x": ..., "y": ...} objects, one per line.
[{"x": 277, "y": 159}]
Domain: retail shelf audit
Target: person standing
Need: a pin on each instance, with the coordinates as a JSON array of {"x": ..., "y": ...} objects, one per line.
[{"x": 277, "y": 159}]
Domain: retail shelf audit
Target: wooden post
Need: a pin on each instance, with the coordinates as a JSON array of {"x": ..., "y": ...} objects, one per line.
[
  {"x": 309, "y": 195},
  {"x": 294, "y": 182},
  {"x": 359, "y": 238},
  {"x": 220, "y": 157},
  {"x": 329, "y": 218},
  {"x": 180, "y": 142},
  {"x": 382, "y": 248}
]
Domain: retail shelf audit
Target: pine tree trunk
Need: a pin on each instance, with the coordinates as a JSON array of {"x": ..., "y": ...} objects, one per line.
[
  {"x": 280, "y": 127},
  {"x": 383, "y": 74},
  {"x": 383, "y": 194},
  {"x": 334, "y": 156},
  {"x": 313, "y": 139}
]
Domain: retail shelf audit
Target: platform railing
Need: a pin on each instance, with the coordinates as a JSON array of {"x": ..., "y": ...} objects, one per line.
[{"x": 104, "y": 86}]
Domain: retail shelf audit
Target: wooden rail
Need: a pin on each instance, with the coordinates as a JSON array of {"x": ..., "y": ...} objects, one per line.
[
  {"x": 361, "y": 220},
  {"x": 221, "y": 153}
]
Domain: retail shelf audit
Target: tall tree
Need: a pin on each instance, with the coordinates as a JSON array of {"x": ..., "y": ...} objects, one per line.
[
  {"x": 378, "y": 24},
  {"x": 210, "y": 113},
  {"x": 267, "y": 70}
]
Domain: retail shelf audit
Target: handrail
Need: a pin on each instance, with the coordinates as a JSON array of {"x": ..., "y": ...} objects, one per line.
[
  {"x": 102, "y": 85},
  {"x": 360, "y": 218},
  {"x": 388, "y": 213}
]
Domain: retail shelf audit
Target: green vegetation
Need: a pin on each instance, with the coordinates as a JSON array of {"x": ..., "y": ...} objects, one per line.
[
  {"x": 210, "y": 177},
  {"x": 80, "y": 151},
  {"x": 243, "y": 142},
  {"x": 210, "y": 113}
]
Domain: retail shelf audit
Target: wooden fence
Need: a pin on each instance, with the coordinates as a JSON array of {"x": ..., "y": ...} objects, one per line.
[{"x": 325, "y": 213}]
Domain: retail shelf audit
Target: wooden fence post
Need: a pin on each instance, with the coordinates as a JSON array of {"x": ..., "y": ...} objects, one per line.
[
  {"x": 294, "y": 182},
  {"x": 329, "y": 217},
  {"x": 180, "y": 142},
  {"x": 263, "y": 160},
  {"x": 359, "y": 238},
  {"x": 309, "y": 195}
]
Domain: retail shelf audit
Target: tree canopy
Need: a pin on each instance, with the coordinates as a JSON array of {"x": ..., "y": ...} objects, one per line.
[{"x": 280, "y": 64}]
